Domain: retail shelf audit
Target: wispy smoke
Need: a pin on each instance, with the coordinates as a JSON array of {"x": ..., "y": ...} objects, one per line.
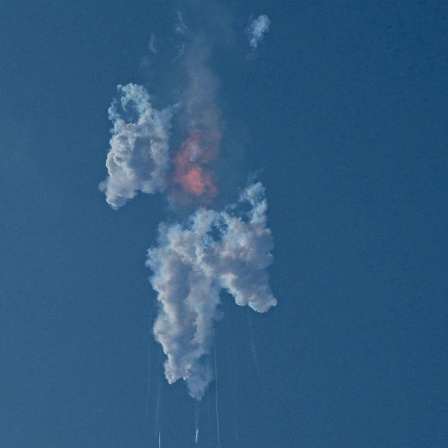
[
  {"x": 211, "y": 251},
  {"x": 257, "y": 29},
  {"x": 152, "y": 44},
  {"x": 139, "y": 152},
  {"x": 192, "y": 264},
  {"x": 179, "y": 26}
]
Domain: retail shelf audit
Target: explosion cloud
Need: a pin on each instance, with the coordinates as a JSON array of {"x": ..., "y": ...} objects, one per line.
[{"x": 175, "y": 150}]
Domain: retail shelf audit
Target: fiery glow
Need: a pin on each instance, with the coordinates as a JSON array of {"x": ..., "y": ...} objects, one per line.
[
  {"x": 191, "y": 174},
  {"x": 196, "y": 182}
]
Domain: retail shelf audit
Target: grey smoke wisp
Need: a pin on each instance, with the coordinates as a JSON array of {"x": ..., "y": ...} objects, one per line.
[
  {"x": 194, "y": 261},
  {"x": 257, "y": 29}
]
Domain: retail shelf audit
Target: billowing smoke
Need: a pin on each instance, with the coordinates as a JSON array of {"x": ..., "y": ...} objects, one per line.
[
  {"x": 257, "y": 29},
  {"x": 211, "y": 251},
  {"x": 139, "y": 149},
  {"x": 176, "y": 150}
]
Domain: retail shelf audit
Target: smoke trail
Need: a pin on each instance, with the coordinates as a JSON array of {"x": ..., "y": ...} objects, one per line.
[
  {"x": 216, "y": 399},
  {"x": 233, "y": 396},
  {"x": 196, "y": 423},
  {"x": 209, "y": 421},
  {"x": 158, "y": 425},
  {"x": 149, "y": 363},
  {"x": 253, "y": 349},
  {"x": 149, "y": 380}
]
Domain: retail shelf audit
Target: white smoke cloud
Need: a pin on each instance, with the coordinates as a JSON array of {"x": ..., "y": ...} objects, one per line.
[
  {"x": 139, "y": 152},
  {"x": 257, "y": 29},
  {"x": 212, "y": 251}
]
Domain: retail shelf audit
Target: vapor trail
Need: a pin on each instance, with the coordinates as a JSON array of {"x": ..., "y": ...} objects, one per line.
[
  {"x": 196, "y": 423},
  {"x": 253, "y": 349},
  {"x": 233, "y": 395},
  {"x": 157, "y": 413},
  {"x": 209, "y": 421},
  {"x": 149, "y": 364},
  {"x": 216, "y": 398}
]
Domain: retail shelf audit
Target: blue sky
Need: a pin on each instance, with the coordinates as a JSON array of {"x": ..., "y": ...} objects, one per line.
[{"x": 342, "y": 111}]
